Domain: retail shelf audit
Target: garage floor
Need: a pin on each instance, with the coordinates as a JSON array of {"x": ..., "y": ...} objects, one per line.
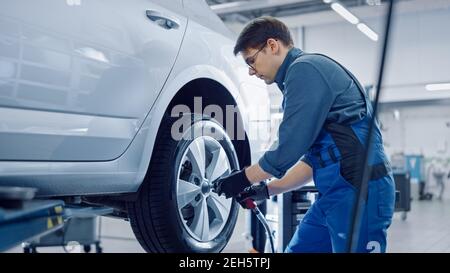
[{"x": 426, "y": 229}]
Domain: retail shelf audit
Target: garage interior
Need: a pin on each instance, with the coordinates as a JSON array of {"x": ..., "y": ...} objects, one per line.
[{"x": 414, "y": 107}]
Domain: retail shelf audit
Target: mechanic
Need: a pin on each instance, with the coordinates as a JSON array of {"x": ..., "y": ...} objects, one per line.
[{"x": 321, "y": 137}]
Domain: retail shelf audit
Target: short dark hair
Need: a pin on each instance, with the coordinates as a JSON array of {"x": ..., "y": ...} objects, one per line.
[{"x": 259, "y": 30}]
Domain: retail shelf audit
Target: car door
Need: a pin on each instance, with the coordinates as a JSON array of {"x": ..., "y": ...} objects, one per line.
[{"x": 78, "y": 77}]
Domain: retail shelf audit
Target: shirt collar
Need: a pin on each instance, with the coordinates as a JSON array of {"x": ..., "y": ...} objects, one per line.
[{"x": 292, "y": 54}]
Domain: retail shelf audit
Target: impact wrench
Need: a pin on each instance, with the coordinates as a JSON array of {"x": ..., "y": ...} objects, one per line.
[{"x": 245, "y": 200}]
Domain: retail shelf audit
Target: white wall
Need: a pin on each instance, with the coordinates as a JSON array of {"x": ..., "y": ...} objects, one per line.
[{"x": 418, "y": 129}]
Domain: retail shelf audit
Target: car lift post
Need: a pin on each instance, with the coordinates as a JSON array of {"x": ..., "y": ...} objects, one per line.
[{"x": 38, "y": 221}]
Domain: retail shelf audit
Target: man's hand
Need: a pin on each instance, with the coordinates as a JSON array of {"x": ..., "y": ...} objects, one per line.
[
  {"x": 232, "y": 184},
  {"x": 256, "y": 192}
]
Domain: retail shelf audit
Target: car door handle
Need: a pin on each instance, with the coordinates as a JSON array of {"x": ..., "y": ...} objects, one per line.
[{"x": 162, "y": 20}]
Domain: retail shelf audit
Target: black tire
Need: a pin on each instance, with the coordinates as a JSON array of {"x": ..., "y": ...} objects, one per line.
[
  {"x": 155, "y": 217},
  {"x": 98, "y": 248},
  {"x": 87, "y": 248},
  {"x": 30, "y": 249}
]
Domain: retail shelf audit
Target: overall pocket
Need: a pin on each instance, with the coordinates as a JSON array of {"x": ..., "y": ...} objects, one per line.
[{"x": 386, "y": 196}]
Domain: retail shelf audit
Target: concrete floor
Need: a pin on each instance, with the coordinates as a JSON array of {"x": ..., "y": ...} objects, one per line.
[{"x": 426, "y": 229}]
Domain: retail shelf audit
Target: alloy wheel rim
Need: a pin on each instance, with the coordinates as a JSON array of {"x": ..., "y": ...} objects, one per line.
[{"x": 204, "y": 213}]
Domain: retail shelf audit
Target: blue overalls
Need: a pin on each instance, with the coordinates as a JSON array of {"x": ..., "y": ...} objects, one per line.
[{"x": 336, "y": 157}]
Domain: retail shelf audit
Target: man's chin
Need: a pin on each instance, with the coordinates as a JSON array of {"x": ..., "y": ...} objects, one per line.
[{"x": 268, "y": 81}]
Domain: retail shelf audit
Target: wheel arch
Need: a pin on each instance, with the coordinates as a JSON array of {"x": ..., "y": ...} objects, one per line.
[{"x": 214, "y": 93}]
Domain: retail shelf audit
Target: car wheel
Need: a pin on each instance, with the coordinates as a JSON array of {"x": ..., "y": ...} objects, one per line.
[{"x": 176, "y": 209}]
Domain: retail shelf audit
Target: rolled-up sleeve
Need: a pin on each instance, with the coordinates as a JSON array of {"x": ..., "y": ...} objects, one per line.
[{"x": 308, "y": 99}]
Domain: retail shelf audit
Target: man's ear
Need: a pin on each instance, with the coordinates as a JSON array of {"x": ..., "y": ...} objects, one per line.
[{"x": 273, "y": 45}]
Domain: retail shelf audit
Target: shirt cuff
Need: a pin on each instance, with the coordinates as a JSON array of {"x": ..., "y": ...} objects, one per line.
[
  {"x": 306, "y": 160},
  {"x": 269, "y": 168}
]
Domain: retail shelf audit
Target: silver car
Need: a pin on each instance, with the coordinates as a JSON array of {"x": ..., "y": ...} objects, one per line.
[{"x": 89, "y": 94}]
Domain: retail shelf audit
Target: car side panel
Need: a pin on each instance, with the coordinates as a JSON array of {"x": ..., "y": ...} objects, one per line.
[{"x": 79, "y": 77}]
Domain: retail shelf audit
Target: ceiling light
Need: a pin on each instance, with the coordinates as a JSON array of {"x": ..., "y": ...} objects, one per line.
[
  {"x": 368, "y": 31},
  {"x": 347, "y": 15},
  {"x": 438, "y": 86}
]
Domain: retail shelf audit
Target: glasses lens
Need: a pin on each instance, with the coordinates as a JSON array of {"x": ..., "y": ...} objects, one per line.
[{"x": 250, "y": 61}]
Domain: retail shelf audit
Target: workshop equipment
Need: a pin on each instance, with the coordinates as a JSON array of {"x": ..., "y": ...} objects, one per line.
[
  {"x": 291, "y": 208},
  {"x": 22, "y": 218},
  {"x": 402, "y": 168},
  {"x": 402, "y": 194},
  {"x": 81, "y": 230},
  {"x": 46, "y": 222}
]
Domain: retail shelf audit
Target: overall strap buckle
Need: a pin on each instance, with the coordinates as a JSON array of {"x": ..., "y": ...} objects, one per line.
[{"x": 326, "y": 156}]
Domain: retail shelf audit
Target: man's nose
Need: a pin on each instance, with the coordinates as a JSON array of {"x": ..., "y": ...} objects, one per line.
[{"x": 251, "y": 71}]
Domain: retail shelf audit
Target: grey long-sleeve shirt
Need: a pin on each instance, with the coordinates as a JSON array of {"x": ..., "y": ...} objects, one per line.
[{"x": 315, "y": 89}]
